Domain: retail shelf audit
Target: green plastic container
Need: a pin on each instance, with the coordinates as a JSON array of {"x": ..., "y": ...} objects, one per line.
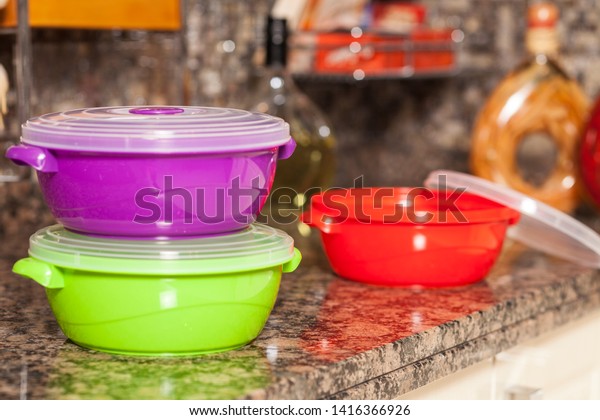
[{"x": 165, "y": 298}]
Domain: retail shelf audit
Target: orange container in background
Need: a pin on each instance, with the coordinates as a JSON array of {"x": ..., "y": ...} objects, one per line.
[
  {"x": 432, "y": 49},
  {"x": 342, "y": 53},
  {"x": 424, "y": 50}
]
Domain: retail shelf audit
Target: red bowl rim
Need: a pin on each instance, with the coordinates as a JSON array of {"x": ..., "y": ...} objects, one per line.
[{"x": 379, "y": 205}]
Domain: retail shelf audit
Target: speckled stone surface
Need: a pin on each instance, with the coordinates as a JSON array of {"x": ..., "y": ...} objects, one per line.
[{"x": 326, "y": 337}]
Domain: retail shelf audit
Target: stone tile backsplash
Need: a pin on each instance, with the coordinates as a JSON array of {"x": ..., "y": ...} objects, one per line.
[{"x": 391, "y": 132}]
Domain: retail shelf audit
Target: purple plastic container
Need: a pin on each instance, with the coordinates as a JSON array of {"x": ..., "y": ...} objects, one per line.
[{"x": 154, "y": 171}]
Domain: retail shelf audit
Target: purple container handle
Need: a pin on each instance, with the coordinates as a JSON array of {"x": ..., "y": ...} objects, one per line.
[
  {"x": 286, "y": 150},
  {"x": 38, "y": 158}
]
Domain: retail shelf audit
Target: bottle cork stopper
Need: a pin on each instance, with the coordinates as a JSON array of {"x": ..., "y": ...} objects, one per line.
[{"x": 542, "y": 15}]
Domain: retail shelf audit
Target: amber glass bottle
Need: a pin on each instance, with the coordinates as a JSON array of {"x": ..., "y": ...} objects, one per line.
[{"x": 538, "y": 102}]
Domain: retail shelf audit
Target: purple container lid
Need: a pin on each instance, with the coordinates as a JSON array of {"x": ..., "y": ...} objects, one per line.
[{"x": 156, "y": 129}]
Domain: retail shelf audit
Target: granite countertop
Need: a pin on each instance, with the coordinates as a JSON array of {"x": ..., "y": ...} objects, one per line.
[{"x": 326, "y": 338}]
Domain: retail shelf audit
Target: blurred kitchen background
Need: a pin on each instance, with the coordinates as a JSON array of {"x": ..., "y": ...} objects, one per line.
[{"x": 392, "y": 130}]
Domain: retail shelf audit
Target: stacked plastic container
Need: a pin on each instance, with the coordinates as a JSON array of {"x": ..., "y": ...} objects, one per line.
[{"x": 157, "y": 252}]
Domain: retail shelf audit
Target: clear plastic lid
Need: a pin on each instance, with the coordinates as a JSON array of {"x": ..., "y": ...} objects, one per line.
[
  {"x": 256, "y": 247},
  {"x": 541, "y": 227},
  {"x": 156, "y": 129}
]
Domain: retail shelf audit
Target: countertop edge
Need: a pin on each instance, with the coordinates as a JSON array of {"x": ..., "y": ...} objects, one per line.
[
  {"x": 401, "y": 354},
  {"x": 422, "y": 372}
]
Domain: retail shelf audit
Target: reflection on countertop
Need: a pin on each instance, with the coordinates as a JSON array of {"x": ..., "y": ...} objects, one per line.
[{"x": 325, "y": 338}]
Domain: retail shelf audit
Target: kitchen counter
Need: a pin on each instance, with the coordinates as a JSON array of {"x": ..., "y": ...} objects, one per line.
[{"x": 326, "y": 337}]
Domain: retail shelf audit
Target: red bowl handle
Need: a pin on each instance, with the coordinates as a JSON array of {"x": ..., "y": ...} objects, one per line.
[
  {"x": 319, "y": 220},
  {"x": 514, "y": 219}
]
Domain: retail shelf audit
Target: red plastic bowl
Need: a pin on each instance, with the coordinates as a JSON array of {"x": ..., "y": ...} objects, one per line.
[{"x": 409, "y": 236}]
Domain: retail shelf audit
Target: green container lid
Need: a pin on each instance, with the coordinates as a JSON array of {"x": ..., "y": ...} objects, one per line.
[{"x": 253, "y": 248}]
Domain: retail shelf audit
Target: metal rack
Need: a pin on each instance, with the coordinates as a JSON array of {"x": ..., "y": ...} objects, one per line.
[
  {"x": 22, "y": 60},
  {"x": 305, "y": 51}
]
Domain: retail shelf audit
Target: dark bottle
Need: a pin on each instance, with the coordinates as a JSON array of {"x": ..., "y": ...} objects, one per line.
[{"x": 312, "y": 165}]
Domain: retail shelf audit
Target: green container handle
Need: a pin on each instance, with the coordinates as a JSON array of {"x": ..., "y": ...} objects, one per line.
[
  {"x": 292, "y": 264},
  {"x": 45, "y": 274}
]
